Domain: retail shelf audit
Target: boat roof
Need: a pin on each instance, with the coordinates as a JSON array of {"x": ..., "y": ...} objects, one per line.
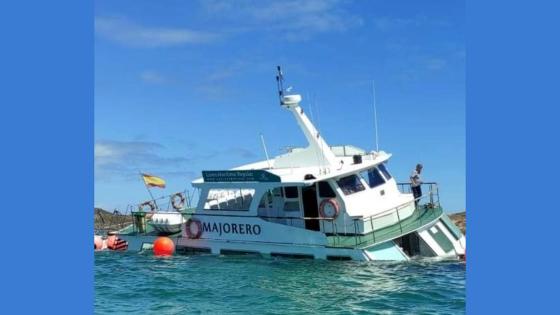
[{"x": 265, "y": 172}]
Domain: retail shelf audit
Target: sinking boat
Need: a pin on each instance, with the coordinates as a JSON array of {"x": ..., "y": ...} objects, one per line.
[{"x": 321, "y": 201}]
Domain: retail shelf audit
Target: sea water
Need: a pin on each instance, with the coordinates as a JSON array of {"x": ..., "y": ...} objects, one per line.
[{"x": 141, "y": 283}]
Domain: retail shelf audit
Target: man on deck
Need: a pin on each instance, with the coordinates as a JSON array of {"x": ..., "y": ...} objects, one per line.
[{"x": 415, "y": 183}]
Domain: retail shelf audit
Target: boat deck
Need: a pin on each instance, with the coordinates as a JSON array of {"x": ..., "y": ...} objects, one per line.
[{"x": 423, "y": 215}]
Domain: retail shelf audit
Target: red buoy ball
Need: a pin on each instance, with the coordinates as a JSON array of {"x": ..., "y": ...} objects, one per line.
[{"x": 163, "y": 246}]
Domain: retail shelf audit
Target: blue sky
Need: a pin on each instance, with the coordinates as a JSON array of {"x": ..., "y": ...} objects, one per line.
[{"x": 184, "y": 86}]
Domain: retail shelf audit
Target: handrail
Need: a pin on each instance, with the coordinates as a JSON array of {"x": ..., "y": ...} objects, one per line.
[
  {"x": 168, "y": 197},
  {"x": 423, "y": 183},
  {"x": 379, "y": 214},
  {"x": 259, "y": 216}
]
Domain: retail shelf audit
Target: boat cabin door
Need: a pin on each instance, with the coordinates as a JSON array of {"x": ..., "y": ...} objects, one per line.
[{"x": 310, "y": 207}]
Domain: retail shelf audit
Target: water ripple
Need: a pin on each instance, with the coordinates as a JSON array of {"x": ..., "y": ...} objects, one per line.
[{"x": 144, "y": 284}]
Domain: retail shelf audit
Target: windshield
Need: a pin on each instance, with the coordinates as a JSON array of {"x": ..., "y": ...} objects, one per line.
[{"x": 350, "y": 184}]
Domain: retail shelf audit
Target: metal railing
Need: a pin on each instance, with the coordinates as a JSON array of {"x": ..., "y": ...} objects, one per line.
[
  {"x": 163, "y": 203},
  {"x": 390, "y": 223},
  {"x": 433, "y": 190}
]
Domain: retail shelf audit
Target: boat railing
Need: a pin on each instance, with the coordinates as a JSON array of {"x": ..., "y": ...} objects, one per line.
[
  {"x": 163, "y": 203},
  {"x": 383, "y": 226},
  {"x": 431, "y": 199},
  {"x": 387, "y": 225},
  {"x": 433, "y": 190}
]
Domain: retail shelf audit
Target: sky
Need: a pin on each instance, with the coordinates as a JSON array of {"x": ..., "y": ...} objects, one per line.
[{"x": 186, "y": 86}]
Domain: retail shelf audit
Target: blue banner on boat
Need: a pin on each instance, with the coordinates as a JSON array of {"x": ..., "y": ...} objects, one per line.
[{"x": 239, "y": 176}]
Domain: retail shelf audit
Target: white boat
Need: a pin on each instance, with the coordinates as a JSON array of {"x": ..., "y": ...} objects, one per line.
[{"x": 321, "y": 202}]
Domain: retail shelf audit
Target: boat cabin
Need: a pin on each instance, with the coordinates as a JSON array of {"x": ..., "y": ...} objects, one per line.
[{"x": 294, "y": 196}]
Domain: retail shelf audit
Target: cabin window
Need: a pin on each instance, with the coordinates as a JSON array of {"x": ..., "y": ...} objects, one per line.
[
  {"x": 266, "y": 200},
  {"x": 350, "y": 184},
  {"x": 291, "y": 205},
  {"x": 384, "y": 170},
  {"x": 291, "y": 192},
  {"x": 229, "y": 199},
  {"x": 373, "y": 177},
  {"x": 325, "y": 190},
  {"x": 291, "y": 198},
  {"x": 278, "y": 192}
]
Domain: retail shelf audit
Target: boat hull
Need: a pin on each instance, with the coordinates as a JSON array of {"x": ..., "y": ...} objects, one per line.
[{"x": 437, "y": 239}]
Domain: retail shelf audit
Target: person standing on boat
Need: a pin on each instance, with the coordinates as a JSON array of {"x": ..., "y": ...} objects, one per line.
[{"x": 416, "y": 183}]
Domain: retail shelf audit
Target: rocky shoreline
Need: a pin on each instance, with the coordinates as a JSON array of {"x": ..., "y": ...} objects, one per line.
[
  {"x": 460, "y": 221},
  {"x": 105, "y": 220}
]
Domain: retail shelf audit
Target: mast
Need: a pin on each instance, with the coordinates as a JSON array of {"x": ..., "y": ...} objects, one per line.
[{"x": 317, "y": 145}]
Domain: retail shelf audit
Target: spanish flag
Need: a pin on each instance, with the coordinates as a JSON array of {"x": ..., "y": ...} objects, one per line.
[{"x": 153, "y": 181}]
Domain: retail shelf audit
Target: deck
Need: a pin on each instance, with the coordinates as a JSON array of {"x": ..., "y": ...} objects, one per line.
[{"x": 422, "y": 216}]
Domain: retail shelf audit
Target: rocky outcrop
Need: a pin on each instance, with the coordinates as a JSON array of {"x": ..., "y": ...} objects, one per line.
[
  {"x": 105, "y": 220},
  {"x": 460, "y": 221}
]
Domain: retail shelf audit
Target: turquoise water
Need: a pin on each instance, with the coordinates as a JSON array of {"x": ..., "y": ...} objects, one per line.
[{"x": 144, "y": 284}]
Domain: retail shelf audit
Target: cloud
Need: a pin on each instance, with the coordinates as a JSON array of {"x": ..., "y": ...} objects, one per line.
[
  {"x": 123, "y": 160},
  {"x": 294, "y": 19},
  {"x": 241, "y": 152},
  {"x": 153, "y": 77},
  {"x": 125, "y": 32}
]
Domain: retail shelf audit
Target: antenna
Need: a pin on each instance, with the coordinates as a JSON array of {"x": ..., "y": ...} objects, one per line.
[
  {"x": 280, "y": 83},
  {"x": 265, "y": 151},
  {"x": 375, "y": 118}
]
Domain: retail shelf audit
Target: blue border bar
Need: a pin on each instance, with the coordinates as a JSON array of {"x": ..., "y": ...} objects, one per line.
[
  {"x": 46, "y": 133},
  {"x": 512, "y": 176}
]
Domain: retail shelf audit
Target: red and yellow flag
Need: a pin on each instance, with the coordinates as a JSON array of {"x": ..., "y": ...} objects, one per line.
[{"x": 153, "y": 181}]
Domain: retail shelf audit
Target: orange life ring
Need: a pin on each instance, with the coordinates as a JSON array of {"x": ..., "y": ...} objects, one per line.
[
  {"x": 188, "y": 228},
  {"x": 329, "y": 208}
]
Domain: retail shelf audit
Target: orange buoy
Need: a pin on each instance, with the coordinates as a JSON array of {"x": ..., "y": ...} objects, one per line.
[
  {"x": 163, "y": 246},
  {"x": 97, "y": 242}
]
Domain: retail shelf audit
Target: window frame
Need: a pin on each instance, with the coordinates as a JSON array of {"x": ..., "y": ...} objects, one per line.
[
  {"x": 292, "y": 200},
  {"x": 359, "y": 180},
  {"x": 379, "y": 173},
  {"x": 219, "y": 202},
  {"x": 385, "y": 172}
]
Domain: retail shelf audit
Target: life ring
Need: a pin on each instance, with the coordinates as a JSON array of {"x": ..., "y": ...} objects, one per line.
[
  {"x": 197, "y": 228},
  {"x": 149, "y": 204},
  {"x": 329, "y": 208},
  {"x": 178, "y": 201}
]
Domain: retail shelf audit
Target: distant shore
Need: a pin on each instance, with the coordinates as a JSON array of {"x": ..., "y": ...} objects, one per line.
[{"x": 105, "y": 220}]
